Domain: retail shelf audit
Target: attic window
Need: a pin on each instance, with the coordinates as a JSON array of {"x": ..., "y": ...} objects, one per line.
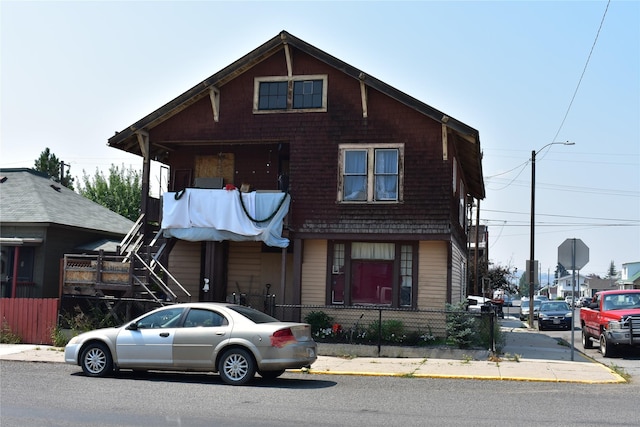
[{"x": 284, "y": 94}]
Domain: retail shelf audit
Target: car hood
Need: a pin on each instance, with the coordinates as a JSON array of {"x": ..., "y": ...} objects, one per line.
[{"x": 623, "y": 313}]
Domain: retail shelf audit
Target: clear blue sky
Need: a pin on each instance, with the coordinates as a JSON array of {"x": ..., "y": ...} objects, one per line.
[{"x": 73, "y": 73}]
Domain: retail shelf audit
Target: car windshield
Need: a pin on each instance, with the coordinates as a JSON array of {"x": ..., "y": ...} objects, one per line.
[
  {"x": 554, "y": 306},
  {"x": 622, "y": 301},
  {"x": 254, "y": 315}
]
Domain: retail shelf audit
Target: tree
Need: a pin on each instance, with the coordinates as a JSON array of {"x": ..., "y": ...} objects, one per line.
[
  {"x": 51, "y": 165},
  {"x": 495, "y": 276},
  {"x": 611, "y": 272},
  {"x": 560, "y": 272},
  {"x": 120, "y": 191}
]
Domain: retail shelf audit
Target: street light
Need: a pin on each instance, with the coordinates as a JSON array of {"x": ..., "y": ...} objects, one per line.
[{"x": 530, "y": 265}]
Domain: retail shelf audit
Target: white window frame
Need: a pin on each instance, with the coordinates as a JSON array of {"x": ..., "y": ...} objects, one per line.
[
  {"x": 289, "y": 108},
  {"x": 370, "y": 149}
]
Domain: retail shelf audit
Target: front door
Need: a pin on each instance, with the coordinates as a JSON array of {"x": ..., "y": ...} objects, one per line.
[{"x": 150, "y": 343}]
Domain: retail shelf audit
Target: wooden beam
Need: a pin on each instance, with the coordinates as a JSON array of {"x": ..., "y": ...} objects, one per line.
[
  {"x": 287, "y": 55},
  {"x": 363, "y": 96},
  {"x": 445, "y": 145},
  {"x": 214, "y": 96}
]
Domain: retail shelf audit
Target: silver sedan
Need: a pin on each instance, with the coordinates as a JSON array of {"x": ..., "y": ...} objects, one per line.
[{"x": 233, "y": 340}]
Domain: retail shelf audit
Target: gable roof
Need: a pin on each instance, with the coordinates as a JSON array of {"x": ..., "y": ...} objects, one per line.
[
  {"x": 466, "y": 138},
  {"x": 28, "y": 197}
]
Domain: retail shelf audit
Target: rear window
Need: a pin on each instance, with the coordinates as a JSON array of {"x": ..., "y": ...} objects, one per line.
[{"x": 254, "y": 315}]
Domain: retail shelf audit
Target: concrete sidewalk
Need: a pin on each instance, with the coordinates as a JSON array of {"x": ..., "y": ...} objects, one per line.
[{"x": 511, "y": 366}]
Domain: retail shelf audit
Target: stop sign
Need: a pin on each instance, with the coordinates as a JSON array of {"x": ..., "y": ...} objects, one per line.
[{"x": 568, "y": 259}]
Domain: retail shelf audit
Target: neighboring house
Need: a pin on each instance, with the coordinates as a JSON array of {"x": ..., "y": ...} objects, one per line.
[
  {"x": 630, "y": 276},
  {"x": 40, "y": 222},
  {"x": 564, "y": 286},
  {"x": 376, "y": 185},
  {"x": 595, "y": 284}
]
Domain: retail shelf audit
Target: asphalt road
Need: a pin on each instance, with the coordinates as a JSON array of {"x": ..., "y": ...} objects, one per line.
[{"x": 52, "y": 394}]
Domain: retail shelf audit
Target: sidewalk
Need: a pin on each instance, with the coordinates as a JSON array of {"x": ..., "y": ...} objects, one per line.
[{"x": 527, "y": 356}]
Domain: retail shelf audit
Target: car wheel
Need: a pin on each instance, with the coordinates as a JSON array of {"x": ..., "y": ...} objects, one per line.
[
  {"x": 586, "y": 340},
  {"x": 605, "y": 346},
  {"x": 96, "y": 360},
  {"x": 540, "y": 327},
  {"x": 236, "y": 366},
  {"x": 270, "y": 375}
]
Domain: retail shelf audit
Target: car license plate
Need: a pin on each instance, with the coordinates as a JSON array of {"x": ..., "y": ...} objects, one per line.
[{"x": 556, "y": 321}]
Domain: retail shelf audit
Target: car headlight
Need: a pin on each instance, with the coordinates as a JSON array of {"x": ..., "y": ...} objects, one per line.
[
  {"x": 74, "y": 340},
  {"x": 614, "y": 325},
  {"x": 542, "y": 316}
]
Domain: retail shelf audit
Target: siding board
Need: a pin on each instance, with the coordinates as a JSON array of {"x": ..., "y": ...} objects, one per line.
[
  {"x": 314, "y": 271},
  {"x": 432, "y": 275}
]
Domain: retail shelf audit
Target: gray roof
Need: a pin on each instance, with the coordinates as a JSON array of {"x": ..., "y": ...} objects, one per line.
[{"x": 28, "y": 197}]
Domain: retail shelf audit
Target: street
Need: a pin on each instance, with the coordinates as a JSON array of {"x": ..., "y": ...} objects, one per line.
[{"x": 51, "y": 394}]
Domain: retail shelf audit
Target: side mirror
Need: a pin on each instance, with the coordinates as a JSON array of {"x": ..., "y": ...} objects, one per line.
[
  {"x": 594, "y": 305},
  {"x": 133, "y": 326}
]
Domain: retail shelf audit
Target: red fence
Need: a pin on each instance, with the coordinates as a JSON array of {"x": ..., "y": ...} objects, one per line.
[{"x": 32, "y": 319}]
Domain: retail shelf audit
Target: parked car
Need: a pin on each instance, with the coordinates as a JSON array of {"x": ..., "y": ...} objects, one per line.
[
  {"x": 233, "y": 340},
  {"x": 524, "y": 309},
  {"x": 474, "y": 303},
  {"x": 586, "y": 301},
  {"x": 554, "y": 314}
]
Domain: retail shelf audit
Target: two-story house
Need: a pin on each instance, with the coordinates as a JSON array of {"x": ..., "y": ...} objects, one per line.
[{"x": 365, "y": 190}]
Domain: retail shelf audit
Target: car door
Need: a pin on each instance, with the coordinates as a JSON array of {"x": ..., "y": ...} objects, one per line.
[
  {"x": 195, "y": 343},
  {"x": 148, "y": 343}
]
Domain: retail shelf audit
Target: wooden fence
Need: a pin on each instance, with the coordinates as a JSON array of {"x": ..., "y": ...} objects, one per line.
[{"x": 32, "y": 319}]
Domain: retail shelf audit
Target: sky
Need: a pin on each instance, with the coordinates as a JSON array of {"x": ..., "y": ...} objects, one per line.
[{"x": 526, "y": 75}]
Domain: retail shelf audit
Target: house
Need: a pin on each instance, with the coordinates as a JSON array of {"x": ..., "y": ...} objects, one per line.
[
  {"x": 368, "y": 189},
  {"x": 630, "y": 276},
  {"x": 40, "y": 222},
  {"x": 564, "y": 286}
]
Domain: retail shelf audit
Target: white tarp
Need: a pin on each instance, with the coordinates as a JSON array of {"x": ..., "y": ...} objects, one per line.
[{"x": 215, "y": 215}]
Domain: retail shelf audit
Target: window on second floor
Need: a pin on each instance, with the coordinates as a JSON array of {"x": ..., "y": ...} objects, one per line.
[
  {"x": 297, "y": 93},
  {"x": 370, "y": 173}
]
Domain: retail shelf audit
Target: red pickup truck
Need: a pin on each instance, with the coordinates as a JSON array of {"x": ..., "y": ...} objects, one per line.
[{"x": 612, "y": 319}]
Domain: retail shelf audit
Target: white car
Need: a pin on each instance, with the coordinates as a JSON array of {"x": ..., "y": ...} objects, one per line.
[
  {"x": 233, "y": 340},
  {"x": 475, "y": 302}
]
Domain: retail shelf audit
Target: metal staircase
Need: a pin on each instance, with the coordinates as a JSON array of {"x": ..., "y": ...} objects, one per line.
[{"x": 149, "y": 278}]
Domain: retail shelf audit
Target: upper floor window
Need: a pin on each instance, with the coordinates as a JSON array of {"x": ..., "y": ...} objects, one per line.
[
  {"x": 370, "y": 173},
  {"x": 297, "y": 93}
]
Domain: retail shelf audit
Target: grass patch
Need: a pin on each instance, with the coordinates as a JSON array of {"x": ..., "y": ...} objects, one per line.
[{"x": 620, "y": 371}]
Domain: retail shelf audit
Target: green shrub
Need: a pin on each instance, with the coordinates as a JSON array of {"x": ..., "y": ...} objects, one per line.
[
  {"x": 7, "y": 336},
  {"x": 321, "y": 324},
  {"x": 390, "y": 331},
  {"x": 58, "y": 338},
  {"x": 461, "y": 326}
]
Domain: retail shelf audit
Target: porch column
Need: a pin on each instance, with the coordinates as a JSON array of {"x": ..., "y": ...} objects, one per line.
[
  {"x": 143, "y": 141},
  {"x": 214, "y": 270}
]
